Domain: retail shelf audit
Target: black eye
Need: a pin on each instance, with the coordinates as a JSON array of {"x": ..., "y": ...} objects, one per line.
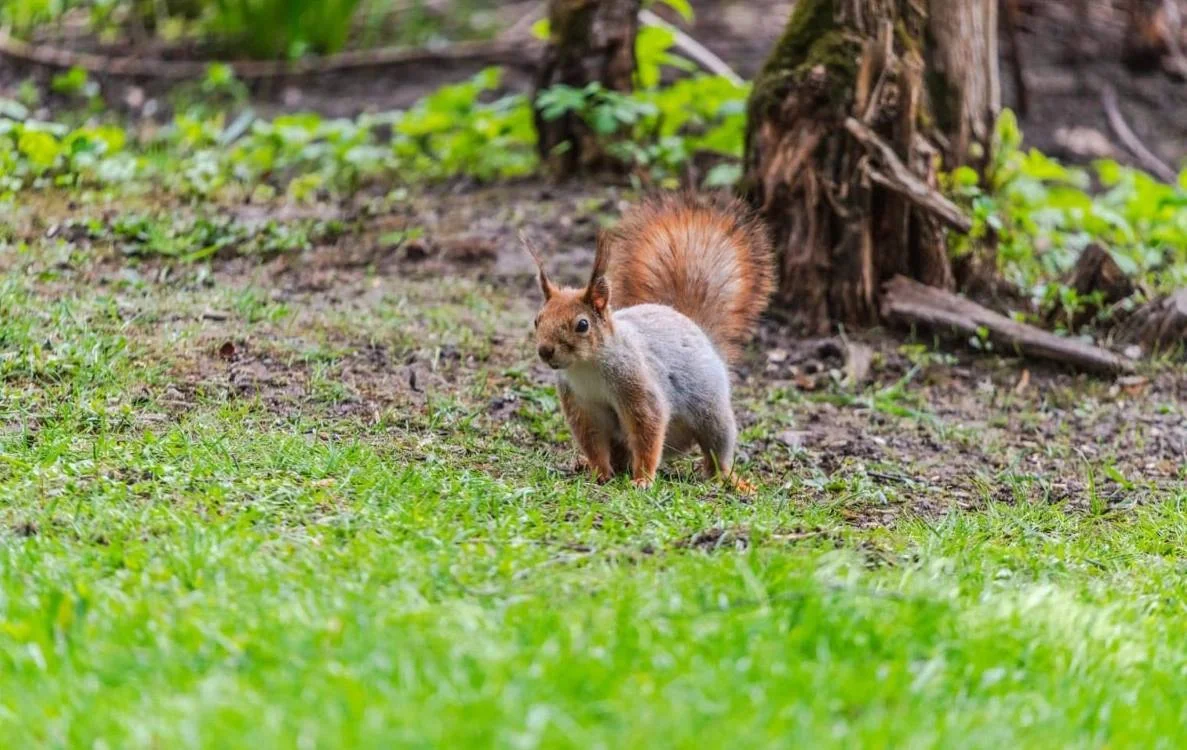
[
  {"x": 582, "y": 325},
  {"x": 536, "y": 323}
]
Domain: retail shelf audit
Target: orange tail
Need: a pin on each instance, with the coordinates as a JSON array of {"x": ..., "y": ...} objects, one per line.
[{"x": 708, "y": 258}]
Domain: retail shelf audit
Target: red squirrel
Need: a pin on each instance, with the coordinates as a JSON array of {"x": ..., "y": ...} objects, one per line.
[{"x": 642, "y": 351}]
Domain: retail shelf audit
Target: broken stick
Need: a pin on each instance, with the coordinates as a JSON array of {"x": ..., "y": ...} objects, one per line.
[
  {"x": 913, "y": 303},
  {"x": 896, "y": 176},
  {"x": 1129, "y": 139}
]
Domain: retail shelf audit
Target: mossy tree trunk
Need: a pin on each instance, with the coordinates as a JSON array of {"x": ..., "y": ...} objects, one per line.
[
  {"x": 590, "y": 40},
  {"x": 858, "y": 107}
]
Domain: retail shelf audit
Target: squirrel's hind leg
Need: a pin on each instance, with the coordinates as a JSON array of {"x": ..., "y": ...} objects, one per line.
[{"x": 718, "y": 446}]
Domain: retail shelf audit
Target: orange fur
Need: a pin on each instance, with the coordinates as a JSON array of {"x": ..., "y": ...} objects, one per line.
[
  {"x": 709, "y": 259},
  {"x": 646, "y": 424},
  {"x": 594, "y": 446}
]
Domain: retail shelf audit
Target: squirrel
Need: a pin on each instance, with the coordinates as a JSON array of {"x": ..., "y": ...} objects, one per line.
[{"x": 648, "y": 377}]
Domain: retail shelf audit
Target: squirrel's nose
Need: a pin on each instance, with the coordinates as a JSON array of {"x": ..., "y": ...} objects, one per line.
[{"x": 546, "y": 351}]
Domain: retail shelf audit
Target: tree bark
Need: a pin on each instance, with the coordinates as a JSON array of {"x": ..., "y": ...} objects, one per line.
[
  {"x": 921, "y": 79},
  {"x": 590, "y": 41}
]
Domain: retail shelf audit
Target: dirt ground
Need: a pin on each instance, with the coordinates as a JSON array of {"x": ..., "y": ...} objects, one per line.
[
  {"x": 933, "y": 425},
  {"x": 446, "y": 319}
]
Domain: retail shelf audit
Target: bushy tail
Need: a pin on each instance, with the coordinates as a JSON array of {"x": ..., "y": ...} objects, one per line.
[{"x": 709, "y": 258}]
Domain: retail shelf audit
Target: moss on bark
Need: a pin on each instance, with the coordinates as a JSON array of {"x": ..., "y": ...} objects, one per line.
[{"x": 812, "y": 40}]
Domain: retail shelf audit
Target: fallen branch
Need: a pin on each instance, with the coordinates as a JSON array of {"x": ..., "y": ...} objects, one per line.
[
  {"x": 510, "y": 52},
  {"x": 899, "y": 178},
  {"x": 695, "y": 51},
  {"x": 1145, "y": 157},
  {"x": 913, "y": 303}
]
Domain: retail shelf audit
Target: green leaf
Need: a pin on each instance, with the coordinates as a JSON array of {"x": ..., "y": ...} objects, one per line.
[
  {"x": 966, "y": 177},
  {"x": 604, "y": 121},
  {"x": 40, "y": 148},
  {"x": 651, "y": 54},
  {"x": 70, "y": 83}
]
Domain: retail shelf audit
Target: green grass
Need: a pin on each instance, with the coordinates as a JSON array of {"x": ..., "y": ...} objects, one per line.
[
  {"x": 234, "y": 573},
  {"x": 266, "y": 482}
]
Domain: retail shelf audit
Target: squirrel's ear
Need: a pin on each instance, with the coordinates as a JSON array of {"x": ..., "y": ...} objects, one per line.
[
  {"x": 601, "y": 257},
  {"x": 546, "y": 286},
  {"x": 597, "y": 294}
]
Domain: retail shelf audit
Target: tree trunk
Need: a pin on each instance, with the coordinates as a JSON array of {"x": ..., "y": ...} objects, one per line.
[
  {"x": 849, "y": 121},
  {"x": 590, "y": 41}
]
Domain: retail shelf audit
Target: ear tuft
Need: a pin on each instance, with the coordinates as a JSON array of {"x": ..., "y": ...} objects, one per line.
[
  {"x": 546, "y": 286},
  {"x": 598, "y": 295}
]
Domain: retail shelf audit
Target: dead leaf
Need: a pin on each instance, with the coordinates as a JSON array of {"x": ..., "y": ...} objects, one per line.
[{"x": 805, "y": 382}]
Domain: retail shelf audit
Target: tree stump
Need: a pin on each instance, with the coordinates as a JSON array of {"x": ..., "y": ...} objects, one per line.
[{"x": 920, "y": 77}]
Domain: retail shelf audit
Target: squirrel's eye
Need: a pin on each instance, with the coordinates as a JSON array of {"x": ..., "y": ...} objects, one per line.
[
  {"x": 582, "y": 325},
  {"x": 536, "y": 323}
]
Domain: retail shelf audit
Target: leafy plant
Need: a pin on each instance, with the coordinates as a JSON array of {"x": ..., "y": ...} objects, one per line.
[
  {"x": 283, "y": 28},
  {"x": 606, "y": 112},
  {"x": 202, "y": 237},
  {"x": 459, "y": 130},
  {"x": 74, "y": 82},
  {"x": 1044, "y": 214},
  {"x": 453, "y": 131},
  {"x": 657, "y": 130}
]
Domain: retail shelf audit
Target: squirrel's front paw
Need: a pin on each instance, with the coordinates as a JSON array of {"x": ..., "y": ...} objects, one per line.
[
  {"x": 600, "y": 475},
  {"x": 739, "y": 485},
  {"x": 743, "y": 487},
  {"x": 642, "y": 482}
]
